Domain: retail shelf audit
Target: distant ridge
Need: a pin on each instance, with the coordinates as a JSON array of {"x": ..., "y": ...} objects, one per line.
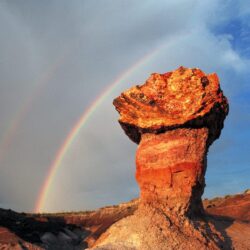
[{"x": 79, "y": 230}]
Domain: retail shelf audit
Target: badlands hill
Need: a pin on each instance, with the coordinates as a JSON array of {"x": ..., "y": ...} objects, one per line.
[{"x": 230, "y": 215}]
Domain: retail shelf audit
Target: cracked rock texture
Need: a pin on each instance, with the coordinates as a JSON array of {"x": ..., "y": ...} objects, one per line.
[
  {"x": 174, "y": 117},
  {"x": 181, "y": 98}
]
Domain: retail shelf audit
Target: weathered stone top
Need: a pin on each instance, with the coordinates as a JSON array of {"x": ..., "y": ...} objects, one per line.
[{"x": 182, "y": 98}]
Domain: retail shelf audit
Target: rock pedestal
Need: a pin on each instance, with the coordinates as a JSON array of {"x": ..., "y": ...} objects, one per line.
[
  {"x": 174, "y": 117},
  {"x": 170, "y": 169}
]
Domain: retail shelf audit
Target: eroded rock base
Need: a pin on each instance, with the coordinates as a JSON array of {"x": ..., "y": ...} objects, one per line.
[{"x": 150, "y": 228}]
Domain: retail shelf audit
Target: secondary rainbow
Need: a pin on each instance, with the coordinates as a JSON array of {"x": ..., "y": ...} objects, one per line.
[
  {"x": 39, "y": 207},
  {"x": 16, "y": 121}
]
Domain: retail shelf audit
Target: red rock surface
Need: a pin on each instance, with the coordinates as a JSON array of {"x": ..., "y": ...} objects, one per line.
[
  {"x": 170, "y": 169},
  {"x": 231, "y": 206}
]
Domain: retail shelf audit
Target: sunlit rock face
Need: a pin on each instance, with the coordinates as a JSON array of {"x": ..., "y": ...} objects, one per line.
[
  {"x": 174, "y": 117},
  {"x": 181, "y": 98}
]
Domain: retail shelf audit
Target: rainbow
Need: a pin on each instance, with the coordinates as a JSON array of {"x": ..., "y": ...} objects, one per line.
[
  {"x": 39, "y": 207},
  {"x": 10, "y": 133}
]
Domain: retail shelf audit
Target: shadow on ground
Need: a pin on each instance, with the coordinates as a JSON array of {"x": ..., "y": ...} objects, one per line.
[
  {"x": 221, "y": 223},
  {"x": 48, "y": 232}
]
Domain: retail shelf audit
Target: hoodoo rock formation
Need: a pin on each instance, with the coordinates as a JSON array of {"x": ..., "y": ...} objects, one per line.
[{"x": 174, "y": 117}]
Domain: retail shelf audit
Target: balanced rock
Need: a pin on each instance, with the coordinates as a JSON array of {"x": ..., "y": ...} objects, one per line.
[
  {"x": 182, "y": 98},
  {"x": 174, "y": 117}
]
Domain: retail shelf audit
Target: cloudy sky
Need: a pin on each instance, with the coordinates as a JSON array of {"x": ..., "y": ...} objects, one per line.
[{"x": 57, "y": 57}]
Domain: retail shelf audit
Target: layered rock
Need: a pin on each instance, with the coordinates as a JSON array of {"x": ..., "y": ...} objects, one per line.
[
  {"x": 174, "y": 117},
  {"x": 170, "y": 169}
]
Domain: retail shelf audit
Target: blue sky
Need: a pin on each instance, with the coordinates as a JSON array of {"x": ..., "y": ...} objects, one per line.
[{"x": 58, "y": 56}]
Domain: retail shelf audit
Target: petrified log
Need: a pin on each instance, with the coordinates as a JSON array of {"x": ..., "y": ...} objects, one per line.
[
  {"x": 184, "y": 98},
  {"x": 174, "y": 117}
]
